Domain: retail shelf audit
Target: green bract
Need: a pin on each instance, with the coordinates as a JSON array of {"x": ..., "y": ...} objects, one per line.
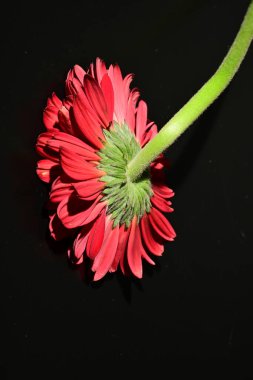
[{"x": 125, "y": 199}]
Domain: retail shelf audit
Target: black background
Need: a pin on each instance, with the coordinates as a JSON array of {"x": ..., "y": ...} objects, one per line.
[{"x": 196, "y": 304}]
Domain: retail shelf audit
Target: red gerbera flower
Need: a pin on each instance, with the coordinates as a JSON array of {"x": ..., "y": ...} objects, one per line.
[{"x": 91, "y": 137}]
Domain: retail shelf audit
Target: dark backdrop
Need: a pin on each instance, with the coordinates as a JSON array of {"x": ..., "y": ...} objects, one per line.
[{"x": 195, "y": 305}]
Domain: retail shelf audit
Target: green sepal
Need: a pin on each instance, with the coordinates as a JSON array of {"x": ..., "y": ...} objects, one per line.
[{"x": 125, "y": 199}]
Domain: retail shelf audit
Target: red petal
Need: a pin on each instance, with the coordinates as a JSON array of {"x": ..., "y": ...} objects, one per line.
[
  {"x": 68, "y": 102},
  {"x": 95, "y": 211},
  {"x": 80, "y": 243},
  {"x": 160, "y": 203},
  {"x": 161, "y": 225},
  {"x": 160, "y": 162},
  {"x": 106, "y": 86},
  {"x": 147, "y": 258},
  {"x": 75, "y": 213},
  {"x": 163, "y": 191},
  {"x": 79, "y": 72},
  {"x": 120, "y": 97},
  {"x": 100, "y": 70},
  {"x": 63, "y": 140},
  {"x": 149, "y": 134},
  {"x": 64, "y": 120},
  {"x": 50, "y": 118},
  {"x": 70, "y": 211},
  {"x": 126, "y": 86},
  {"x": 96, "y": 236},
  {"x": 69, "y": 79},
  {"x": 124, "y": 266},
  {"x": 60, "y": 190},
  {"x": 141, "y": 121},
  {"x": 134, "y": 250},
  {"x": 130, "y": 112},
  {"x": 85, "y": 121},
  {"x": 74, "y": 80},
  {"x": 57, "y": 229},
  {"x": 50, "y": 114},
  {"x": 89, "y": 188},
  {"x": 72, "y": 257},
  {"x": 123, "y": 239},
  {"x": 142, "y": 250},
  {"x": 150, "y": 237},
  {"x": 43, "y": 149},
  {"x": 105, "y": 257},
  {"x": 47, "y": 170},
  {"x": 96, "y": 99},
  {"x": 65, "y": 137},
  {"x": 76, "y": 167},
  {"x": 49, "y": 144},
  {"x": 54, "y": 101}
]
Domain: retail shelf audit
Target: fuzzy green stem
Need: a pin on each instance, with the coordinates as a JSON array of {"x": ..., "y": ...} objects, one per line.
[{"x": 199, "y": 102}]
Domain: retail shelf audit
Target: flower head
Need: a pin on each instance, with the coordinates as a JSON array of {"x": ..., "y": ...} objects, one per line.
[{"x": 91, "y": 137}]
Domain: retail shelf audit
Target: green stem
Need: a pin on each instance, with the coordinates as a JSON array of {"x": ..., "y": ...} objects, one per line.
[{"x": 199, "y": 102}]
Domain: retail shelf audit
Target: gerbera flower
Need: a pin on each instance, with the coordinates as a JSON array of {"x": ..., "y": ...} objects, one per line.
[{"x": 91, "y": 137}]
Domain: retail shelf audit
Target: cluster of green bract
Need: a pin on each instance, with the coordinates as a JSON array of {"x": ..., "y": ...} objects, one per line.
[{"x": 125, "y": 199}]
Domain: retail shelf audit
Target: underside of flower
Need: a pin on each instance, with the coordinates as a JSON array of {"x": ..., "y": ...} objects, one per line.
[
  {"x": 125, "y": 199},
  {"x": 92, "y": 136}
]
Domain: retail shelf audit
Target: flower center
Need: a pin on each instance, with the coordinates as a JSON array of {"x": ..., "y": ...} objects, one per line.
[{"x": 125, "y": 199}]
